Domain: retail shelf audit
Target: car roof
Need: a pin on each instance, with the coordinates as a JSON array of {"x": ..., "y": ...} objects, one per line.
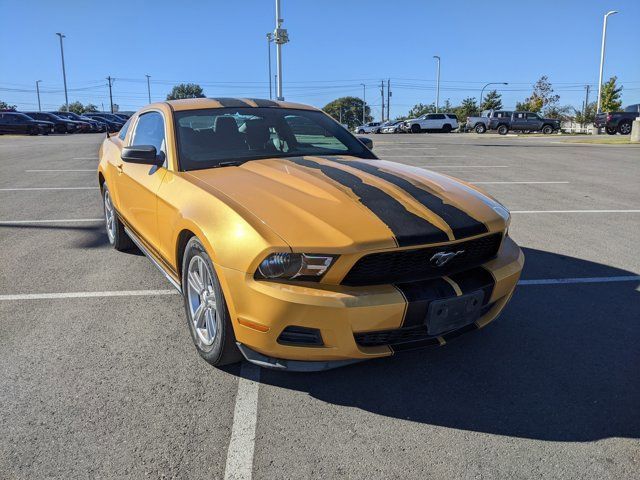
[{"x": 223, "y": 102}]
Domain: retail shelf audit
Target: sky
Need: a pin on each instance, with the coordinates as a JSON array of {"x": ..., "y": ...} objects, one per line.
[{"x": 335, "y": 46}]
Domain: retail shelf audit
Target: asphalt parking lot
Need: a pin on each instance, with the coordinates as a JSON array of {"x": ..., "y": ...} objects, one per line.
[{"x": 100, "y": 378}]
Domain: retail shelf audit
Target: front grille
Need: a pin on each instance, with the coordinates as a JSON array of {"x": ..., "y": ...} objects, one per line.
[
  {"x": 413, "y": 337},
  {"x": 413, "y": 265}
]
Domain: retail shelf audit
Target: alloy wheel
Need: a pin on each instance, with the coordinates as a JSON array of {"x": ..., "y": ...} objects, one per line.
[
  {"x": 110, "y": 217},
  {"x": 202, "y": 300}
]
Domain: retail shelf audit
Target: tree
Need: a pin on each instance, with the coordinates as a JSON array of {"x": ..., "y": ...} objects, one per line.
[
  {"x": 468, "y": 108},
  {"x": 446, "y": 106},
  {"x": 90, "y": 107},
  {"x": 492, "y": 101},
  {"x": 75, "y": 107},
  {"x": 610, "y": 99},
  {"x": 6, "y": 106},
  {"x": 542, "y": 96},
  {"x": 186, "y": 90},
  {"x": 561, "y": 113},
  {"x": 420, "y": 109},
  {"x": 587, "y": 115},
  {"x": 349, "y": 109}
]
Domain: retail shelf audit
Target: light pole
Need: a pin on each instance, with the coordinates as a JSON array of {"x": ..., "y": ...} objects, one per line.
[
  {"x": 38, "y": 92},
  {"x": 269, "y": 40},
  {"x": 64, "y": 73},
  {"x": 364, "y": 103},
  {"x": 280, "y": 37},
  {"x": 490, "y": 83},
  {"x": 148, "y": 87},
  {"x": 604, "y": 40},
  {"x": 437, "y": 83}
]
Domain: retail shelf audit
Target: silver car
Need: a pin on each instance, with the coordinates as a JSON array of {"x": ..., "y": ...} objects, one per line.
[{"x": 371, "y": 127}]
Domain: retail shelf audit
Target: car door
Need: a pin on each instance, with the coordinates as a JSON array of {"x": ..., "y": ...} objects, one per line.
[
  {"x": 519, "y": 121},
  {"x": 534, "y": 122},
  {"x": 137, "y": 185},
  {"x": 5, "y": 123}
]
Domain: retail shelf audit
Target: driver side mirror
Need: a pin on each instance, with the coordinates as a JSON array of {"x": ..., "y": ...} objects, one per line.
[
  {"x": 142, "y": 154},
  {"x": 367, "y": 142}
]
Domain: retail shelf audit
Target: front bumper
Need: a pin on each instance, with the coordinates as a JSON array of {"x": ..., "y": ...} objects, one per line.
[{"x": 347, "y": 318}]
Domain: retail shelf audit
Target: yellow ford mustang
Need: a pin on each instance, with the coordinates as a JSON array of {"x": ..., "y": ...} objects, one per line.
[{"x": 292, "y": 244}]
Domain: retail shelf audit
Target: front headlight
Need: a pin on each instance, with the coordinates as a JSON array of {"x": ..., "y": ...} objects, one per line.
[{"x": 290, "y": 266}]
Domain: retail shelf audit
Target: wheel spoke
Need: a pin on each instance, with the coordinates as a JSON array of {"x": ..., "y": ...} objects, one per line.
[
  {"x": 199, "y": 315},
  {"x": 211, "y": 323},
  {"x": 195, "y": 281}
]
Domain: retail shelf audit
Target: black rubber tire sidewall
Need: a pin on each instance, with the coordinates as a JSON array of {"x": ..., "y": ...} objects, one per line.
[
  {"x": 415, "y": 128},
  {"x": 121, "y": 240},
  {"x": 223, "y": 350},
  {"x": 480, "y": 128},
  {"x": 547, "y": 130},
  {"x": 622, "y": 125},
  {"x": 502, "y": 130}
]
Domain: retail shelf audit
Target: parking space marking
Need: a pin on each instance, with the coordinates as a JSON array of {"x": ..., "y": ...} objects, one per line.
[
  {"x": 85, "y": 158},
  {"x": 46, "y": 188},
  {"x": 424, "y": 156},
  {"x": 239, "y": 464},
  {"x": 575, "y": 211},
  {"x": 112, "y": 293},
  {"x": 93, "y": 170},
  {"x": 59, "y": 220},
  {"x": 565, "y": 281},
  {"x": 514, "y": 183},
  {"x": 463, "y": 166}
]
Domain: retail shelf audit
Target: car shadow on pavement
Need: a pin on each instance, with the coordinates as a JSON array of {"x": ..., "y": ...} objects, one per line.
[{"x": 560, "y": 364}]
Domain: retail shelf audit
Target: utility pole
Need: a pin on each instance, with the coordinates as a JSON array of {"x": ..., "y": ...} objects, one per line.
[
  {"x": 604, "y": 40},
  {"x": 280, "y": 37},
  {"x": 364, "y": 103},
  {"x": 148, "y": 87},
  {"x": 437, "y": 83},
  {"x": 38, "y": 92},
  {"x": 586, "y": 100},
  {"x": 269, "y": 39},
  {"x": 382, "y": 97},
  {"x": 110, "y": 95},
  {"x": 64, "y": 73},
  {"x": 388, "y": 99}
]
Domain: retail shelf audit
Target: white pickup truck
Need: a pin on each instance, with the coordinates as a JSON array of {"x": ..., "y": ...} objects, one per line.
[{"x": 432, "y": 122}]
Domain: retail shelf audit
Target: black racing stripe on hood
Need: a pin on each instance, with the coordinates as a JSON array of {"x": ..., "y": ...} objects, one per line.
[
  {"x": 461, "y": 223},
  {"x": 232, "y": 102},
  {"x": 407, "y": 228},
  {"x": 264, "y": 103}
]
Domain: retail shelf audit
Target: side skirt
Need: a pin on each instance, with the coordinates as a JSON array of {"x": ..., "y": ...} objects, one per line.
[{"x": 150, "y": 256}]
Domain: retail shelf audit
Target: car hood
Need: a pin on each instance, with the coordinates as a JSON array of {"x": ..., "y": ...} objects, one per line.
[{"x": 348, "y": 204}]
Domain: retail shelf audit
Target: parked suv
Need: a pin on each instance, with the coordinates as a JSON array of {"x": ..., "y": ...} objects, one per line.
[
  {"x": 432, "y": 122},
  {"x": 524, "y": 121},
  {"x": 15, "y": 122},
  {"x": 618, "y": 122},
  {"x": 370, "y": 127},
  {"x": 481, "y": 124},
  {"x": 61, "y": 125}
]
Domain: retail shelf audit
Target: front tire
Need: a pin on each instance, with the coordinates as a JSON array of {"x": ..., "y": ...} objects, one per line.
[
  {"x": 547, "y": 129},
  {"x": 624, "y": 128},
  {"x": 446, "y": 128},
  {"x": 610, "y": 130},
  {"x": 118, "y": 238},
  {"x": 361, "y": 132},
  {"x": 207, "y": 313},
  {"x": 480, "y": 128},
  {"x": 503, "y": 130},
  {"x": 415, "y": 128}
]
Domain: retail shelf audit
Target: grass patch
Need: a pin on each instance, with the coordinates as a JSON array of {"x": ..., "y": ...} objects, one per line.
[{"x": 600, "y": 140}]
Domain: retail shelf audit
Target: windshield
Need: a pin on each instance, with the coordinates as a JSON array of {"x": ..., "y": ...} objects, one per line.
[{"x": 207, "y": 137}]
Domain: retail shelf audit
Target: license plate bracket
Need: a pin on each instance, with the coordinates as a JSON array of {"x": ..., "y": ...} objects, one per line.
[{"x": 452, "y": 313}]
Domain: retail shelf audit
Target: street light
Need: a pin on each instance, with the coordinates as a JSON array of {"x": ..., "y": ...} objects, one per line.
[
  {"x": 269, "y": 40},
  {"x": 280, "y": 37},
  {"x": 604, "y": 39},
  {"x": 364, "y": 102},
  {"x": 490, "y": 83},
  {"x": 38, "y": 92},
  {"x": 437, "y": 83},
  {"x": 64, "y": 73},
  {"x": 148, "y": 87}
]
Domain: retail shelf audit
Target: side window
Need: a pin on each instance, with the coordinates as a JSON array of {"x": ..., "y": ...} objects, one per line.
[
  {"x": 124, "y": 129},
  {"x": 520, "y": 115},
  {"x": 438, "y": 116},
  {"x": 150, "y": 131},
  {"x": 533, "y": 116}
]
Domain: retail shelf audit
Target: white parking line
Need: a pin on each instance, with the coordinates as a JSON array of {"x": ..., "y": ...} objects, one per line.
[
  {"x": 463, "y": 166},
  {"x": 564, "y": 281},
  {"x": 60, "y": 220},
  {"x": 423, "y": 156},
  {"x": 85, "y": 158},
  {"x": 69, "y": 170},
  {"x": 575, "y": 211},
  {"x": 239, "y": 464},
  {"x": 513, "y": 183},
  {"x": 46, "y": 188},
  {"x": 112, "y": 293}
]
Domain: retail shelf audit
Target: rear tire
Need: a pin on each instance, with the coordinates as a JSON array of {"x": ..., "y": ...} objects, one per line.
[
  {"x": 207, "y": 313},
  {"x": 360, "y": 132},
  {"x": 480, "y": 128},
  {"x": 446, "y": 128},
  {"x": 624, "y": 128},
  {"x": 547, "y": 129},
  {"x": 118, "y": 238},
  {"x": 610, "y": 130},
  {"x": 503, "y": 130},
  {"x": 415, "y": 128}
]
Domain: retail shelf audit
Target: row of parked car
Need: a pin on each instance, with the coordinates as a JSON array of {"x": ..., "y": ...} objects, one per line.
[
  {"x": 429, "y": 122},
  {"x": 44, "y": 123}
]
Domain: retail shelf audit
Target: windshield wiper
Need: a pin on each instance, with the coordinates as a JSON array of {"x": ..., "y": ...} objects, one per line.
[{"x": 230, "y": 163}]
